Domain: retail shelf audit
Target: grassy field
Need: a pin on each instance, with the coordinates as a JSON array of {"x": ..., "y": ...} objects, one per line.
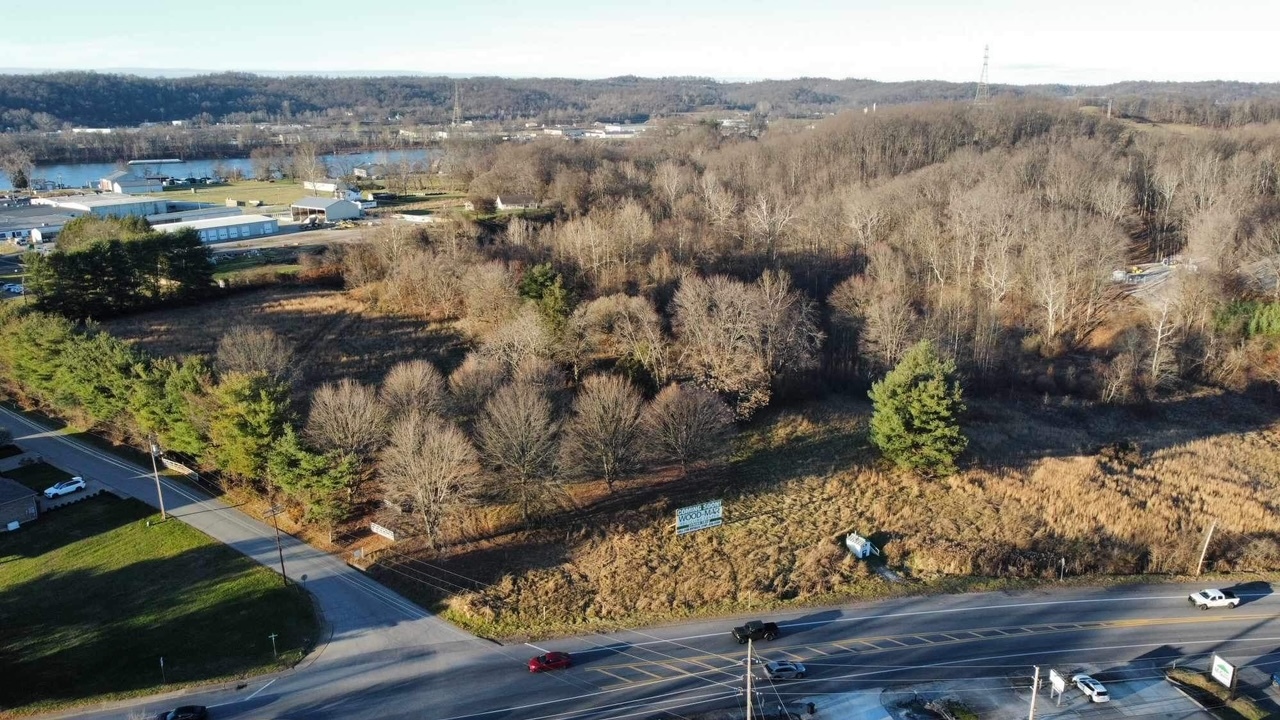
[
  {"x": 334, "y": 336},
  {"x": 280, "y": 193},
  {"x": 1050, "y": 484},
  {"x": 1212, "y": 694},
  {"x": 37, "y": 476},
  {"x": 91, "y": 599}
]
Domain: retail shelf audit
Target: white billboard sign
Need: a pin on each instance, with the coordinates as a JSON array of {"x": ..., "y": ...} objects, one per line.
[
  {"x": 699, "y": 517},
  {"x": 1223, "y": 671},
  {"x": 1057, "y": 682},
  {"x": 384, "y": 532}
]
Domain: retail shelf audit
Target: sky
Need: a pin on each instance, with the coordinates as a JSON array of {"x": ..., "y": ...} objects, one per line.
[{"x": 1075, "y": 42}]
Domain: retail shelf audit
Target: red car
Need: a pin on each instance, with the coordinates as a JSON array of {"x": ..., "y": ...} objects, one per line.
[{"x": 550, "y": 661}]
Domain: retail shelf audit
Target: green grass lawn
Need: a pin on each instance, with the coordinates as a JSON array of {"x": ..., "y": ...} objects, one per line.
[
  {"x": 38, "y": 476},
  {"x": 271, "y": 194},
  {"x": 91, "y": 598}
]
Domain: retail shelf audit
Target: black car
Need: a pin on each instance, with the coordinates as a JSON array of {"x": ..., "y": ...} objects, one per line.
[
  {"x": 186, "y": 712},
  {"x": 755, "y": 630}
]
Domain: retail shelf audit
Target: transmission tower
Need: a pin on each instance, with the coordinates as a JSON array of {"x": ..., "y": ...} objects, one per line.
[
  {"x": 457, "y": 104},
  {"x": 983, "y": 96}
]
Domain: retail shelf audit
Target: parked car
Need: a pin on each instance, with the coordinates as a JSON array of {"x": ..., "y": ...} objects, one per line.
[
  {"x": 783, "y": 670},
  {"x": 65, "y": 487},
  {"x": 755, "y": 630},
  {"x": 186, "y": 712},
  {"x": 1092, "y": 689},
  {"x": 13, "y": 287},
  {"x": 550, "y": 661},
  {"x": 1211, "y": 598}
]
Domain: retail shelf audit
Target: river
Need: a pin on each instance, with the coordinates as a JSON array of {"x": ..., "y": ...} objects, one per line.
[{"x": 81, "y": 175}]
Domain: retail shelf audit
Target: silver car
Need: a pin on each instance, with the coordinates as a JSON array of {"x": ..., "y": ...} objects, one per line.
[{"x": 783, "y": 670}]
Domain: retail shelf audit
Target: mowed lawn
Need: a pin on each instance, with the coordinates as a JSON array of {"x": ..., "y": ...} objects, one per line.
[{"x": 91, "y": 598}]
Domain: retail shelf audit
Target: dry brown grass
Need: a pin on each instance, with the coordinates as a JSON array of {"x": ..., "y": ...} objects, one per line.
[
  {"x": 803, "y": 478},
  {"x": 334, "y": 335}
]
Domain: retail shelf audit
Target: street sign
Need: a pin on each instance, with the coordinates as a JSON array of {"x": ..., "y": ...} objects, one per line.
[
  {"x": 1223, "y": 671},
  {"x": 699, "y": 517},
  {"x": 384, "y": 532}
]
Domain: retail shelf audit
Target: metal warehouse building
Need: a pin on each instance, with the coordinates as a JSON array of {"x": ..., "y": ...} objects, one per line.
[
  {"x": 104, "y": 204},
  {"x": 226, "y": 229},
  {"x": 332, "y": 210}
]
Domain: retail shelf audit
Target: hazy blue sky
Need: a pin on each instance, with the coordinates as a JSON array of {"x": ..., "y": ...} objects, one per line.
[{"x": 1032, "y": 41}]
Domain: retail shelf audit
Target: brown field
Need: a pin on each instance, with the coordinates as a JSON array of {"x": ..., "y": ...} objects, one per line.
[
  {"x": 276, "y": 195},
  {"x": 1046, "y": 488},
  {"x": 334, "y": 336}
]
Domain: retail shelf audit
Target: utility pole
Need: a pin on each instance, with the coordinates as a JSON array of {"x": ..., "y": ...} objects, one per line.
[
  {"x": 274, "y": 654},
  {"x": 272, "y": 513},
  {"x": 749, "y": 715},
  {"x": 155, "y": 472},
  {"x": 1205, "y": 548},
  {"x": 1035, "y": 685},
  {"x": 457, "y": 105}
]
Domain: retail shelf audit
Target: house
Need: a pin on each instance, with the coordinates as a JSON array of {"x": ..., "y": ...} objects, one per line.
[
  {"x": 515, "y": 201},
  {"x": 17, "y": 504},
  {"x": 329, "y": 209},
  {"x": 370, "y": 171},
  {"x": 127, "y": 183}
]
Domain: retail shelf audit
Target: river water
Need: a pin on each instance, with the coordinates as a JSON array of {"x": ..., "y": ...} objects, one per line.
[{"x": 81, "y": 175}]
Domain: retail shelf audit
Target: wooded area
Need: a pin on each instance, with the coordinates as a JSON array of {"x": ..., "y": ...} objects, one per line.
[{"x": 686, "y": 285}]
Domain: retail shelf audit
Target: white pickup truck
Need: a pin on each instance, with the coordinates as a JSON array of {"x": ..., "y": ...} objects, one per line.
[{"x": 1211, "y": 598}]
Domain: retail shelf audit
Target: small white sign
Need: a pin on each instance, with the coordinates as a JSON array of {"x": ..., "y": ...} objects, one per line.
[
  {"x": 1057, "y": 682},
  {"x": 699, "y": 517},
  {"x": 1223, "y": 671},
  {"x": 384, "y": 532}
]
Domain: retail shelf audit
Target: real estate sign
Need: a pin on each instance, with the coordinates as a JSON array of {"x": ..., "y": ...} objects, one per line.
[
  {"x": 1223, "y": 671},
  {"x": 699, "y": 517}
]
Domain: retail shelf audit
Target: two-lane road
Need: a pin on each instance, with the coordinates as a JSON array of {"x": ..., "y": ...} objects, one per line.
[{"x": 390, "y": 659}]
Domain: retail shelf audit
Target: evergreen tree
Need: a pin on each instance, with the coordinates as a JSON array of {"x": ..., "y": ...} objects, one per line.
[
  {"x": 917, "y": 408},
  {"x": 317, "y": 481},
  {"x": 251, "y": 414}
]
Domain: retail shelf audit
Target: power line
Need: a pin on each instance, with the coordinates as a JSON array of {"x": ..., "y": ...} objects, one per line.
[{"x": 983, "y": 94}]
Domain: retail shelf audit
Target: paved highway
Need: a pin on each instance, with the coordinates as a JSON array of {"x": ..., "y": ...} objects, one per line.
[{"x": 388, "y": 658}]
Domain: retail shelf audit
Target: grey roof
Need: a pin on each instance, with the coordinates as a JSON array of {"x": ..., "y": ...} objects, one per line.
[
  {"x": 117, "y": 175},
  {"x": 47, "y": 217},
  {"x": 11, "y": 490},
  {"x": 516, "y": 199},
  {"x": 317, "y": 203}
]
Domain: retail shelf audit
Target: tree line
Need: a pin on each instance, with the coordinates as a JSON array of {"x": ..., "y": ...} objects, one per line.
[
  {"x": 106, "y": 267},
  {"x": 46, "y": 101}
]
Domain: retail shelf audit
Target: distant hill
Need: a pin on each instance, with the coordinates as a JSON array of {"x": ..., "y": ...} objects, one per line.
[{"x": 47, "y": 100}]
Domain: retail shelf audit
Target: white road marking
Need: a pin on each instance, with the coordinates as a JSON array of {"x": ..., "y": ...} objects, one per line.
[
  {"x": 264, "y": 687},
  {"x": 535, "y": 647}
]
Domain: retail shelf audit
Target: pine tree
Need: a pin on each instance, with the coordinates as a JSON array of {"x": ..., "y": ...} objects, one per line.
[{"x": 917, "y": 408}]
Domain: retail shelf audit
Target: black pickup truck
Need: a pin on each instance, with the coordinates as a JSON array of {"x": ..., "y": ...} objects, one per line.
[{"x": 755, "y": 630}]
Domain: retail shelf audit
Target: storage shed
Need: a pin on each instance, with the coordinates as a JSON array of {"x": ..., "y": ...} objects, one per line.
[
  {"x": 330, "y": 209},
  {"x": 226, "y": 229}
]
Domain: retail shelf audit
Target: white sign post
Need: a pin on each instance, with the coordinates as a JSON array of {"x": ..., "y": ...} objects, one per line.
[
  {"x": 699, "y": 517},
  {"x": 1057, "y": 685},
  {"x": 1224, "y": 672},
  {"x": 384, "y": 532}
]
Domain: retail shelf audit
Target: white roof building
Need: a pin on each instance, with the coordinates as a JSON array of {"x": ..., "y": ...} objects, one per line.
[
  {"x": 104, "y": 204},
  {"x": 226, "y": 229}
]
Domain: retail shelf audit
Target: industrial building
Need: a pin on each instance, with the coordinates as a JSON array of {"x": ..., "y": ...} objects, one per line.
[
  {"x": 17, "y": 222},
  {"x": 196, "y": 212},
  {"x": 125, "y": 182},
  {"x": 330, "y": 209},
  {"x": 105, "y": 204},
  {"x": 227, "y": 229}
]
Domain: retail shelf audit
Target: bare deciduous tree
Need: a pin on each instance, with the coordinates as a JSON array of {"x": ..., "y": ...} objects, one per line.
[
  {"x": 602, "y": 438},
  {"x": 430, "y": 468},
  {"x": 687, "y": 425},
  {"x": 413, "y": 386},
  {"x": 474, "y": 382},
  {"x": 248, "y": 350},
  {"x": 346, "y": 417},
  {"x": 518, "y": 437}
]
